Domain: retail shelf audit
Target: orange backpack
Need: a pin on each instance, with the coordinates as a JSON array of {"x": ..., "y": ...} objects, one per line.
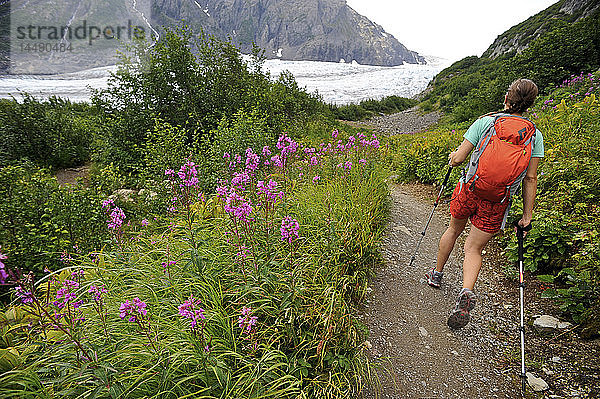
[{"x": 500, "y": 159}]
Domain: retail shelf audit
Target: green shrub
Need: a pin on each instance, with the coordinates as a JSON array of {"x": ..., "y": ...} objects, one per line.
[
  {"x": 41, "y": 220},
  {"x": 51, "y": 133},
  {"x": 192, "y": 83},
  {"x": 274, "y": 312},
  {"x": 368, "y": 108}
]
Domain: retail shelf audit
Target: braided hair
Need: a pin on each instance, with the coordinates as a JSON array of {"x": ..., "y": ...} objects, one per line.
[{"x": 520, "y": 96}]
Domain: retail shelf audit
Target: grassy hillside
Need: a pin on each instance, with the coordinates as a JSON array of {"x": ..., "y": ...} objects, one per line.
[{"x": 556, "y": 49}]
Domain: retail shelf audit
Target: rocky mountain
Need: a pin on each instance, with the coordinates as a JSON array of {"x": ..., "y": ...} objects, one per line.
[
  {"x": 519, "y": 36},
  {"x": 48, "y": 37},
  {"x": 319, "y": 30}
]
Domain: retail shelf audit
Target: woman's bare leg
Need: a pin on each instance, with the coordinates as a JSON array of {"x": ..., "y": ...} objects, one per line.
[
  {"x": 474, "y": 244},
  {"x": 448, "y": 240}
]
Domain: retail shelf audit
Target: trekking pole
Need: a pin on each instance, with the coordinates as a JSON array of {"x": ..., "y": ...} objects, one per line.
[
  {"x": 437, "y": 201},
  {"x": 520, "y": 238}
]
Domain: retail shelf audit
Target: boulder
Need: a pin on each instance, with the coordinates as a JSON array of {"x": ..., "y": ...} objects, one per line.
[
  {"x": 123, "y": 194},
  {"x": 549, "y": 324},
  {"x": 536, "y": 383}
]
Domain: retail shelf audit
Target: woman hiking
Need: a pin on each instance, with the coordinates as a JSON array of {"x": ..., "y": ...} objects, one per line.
[{"x": 474, "y": 199}]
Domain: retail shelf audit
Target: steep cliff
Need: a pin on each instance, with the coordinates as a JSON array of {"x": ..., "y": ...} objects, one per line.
[{"x": 321, "y": 30}]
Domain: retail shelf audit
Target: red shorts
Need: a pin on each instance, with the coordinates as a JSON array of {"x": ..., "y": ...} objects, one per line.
[{"x": 487, "y": 216}]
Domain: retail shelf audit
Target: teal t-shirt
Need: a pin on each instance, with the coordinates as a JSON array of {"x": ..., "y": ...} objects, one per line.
[{"x": 479, "y": 127}]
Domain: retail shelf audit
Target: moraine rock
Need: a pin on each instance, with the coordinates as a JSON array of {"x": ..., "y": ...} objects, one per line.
[
  {"x": 548, "y": 324},
  {"x": 123, "y": 194},
  {"x": 537, "y": 384}
]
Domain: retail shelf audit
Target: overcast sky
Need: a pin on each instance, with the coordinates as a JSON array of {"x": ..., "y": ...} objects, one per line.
[{"x": 452, "y": 29}]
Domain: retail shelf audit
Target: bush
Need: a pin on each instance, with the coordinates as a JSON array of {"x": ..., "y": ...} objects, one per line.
[
  {"x": 563, "y": 243},
  {"x": 51, "y": 133},
  {"x": 41, "y": 220},
  {"x": 192, "y": 83},
  {"x": 368, "y": 108}
]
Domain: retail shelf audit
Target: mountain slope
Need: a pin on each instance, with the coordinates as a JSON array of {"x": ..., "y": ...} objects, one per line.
[
  {"x": 558, "y": 42},
  {"x": 320, "y": 30},
  {"x": 520, "y": 36}
]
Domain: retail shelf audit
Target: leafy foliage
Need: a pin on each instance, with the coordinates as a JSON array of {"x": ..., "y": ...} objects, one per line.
[
  {"x": 276, "y": 317},
  {"x": 564, "y": 238},
  {"x": 51, "y": 133},
  {"x": 474, "y": 86},
  {"x": 42, "y": 222},
  {"x": 192, "y": 83}
]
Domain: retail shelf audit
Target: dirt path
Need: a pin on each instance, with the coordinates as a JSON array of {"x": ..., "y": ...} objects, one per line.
[
  {"x": 420, "y": 355},
  {"x": 409, "y": 121}
]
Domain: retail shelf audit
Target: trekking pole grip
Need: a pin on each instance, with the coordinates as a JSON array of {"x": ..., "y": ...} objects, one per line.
[
  {"x": 447, "y": 176},
  {"x": 521, "y": 229}
]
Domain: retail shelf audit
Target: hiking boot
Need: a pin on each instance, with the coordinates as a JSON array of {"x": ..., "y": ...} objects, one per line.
[
  {"x": 460, "y": 315},
  {"x": 434, "y": 278}
]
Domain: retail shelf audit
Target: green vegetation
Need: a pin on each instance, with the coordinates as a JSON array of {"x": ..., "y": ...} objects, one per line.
[
  {"x": 369, "y": 108},
  {"x": 207, "y": 253},
  {"x": 197, "y": 92},
  {"x": 52, "y": 133},
  {"x": 474, "y": 86},
  {"x": 563, "y": 245}
]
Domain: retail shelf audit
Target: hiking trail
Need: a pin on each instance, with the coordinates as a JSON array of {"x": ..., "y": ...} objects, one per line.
[{"x": 420, "y": 356}]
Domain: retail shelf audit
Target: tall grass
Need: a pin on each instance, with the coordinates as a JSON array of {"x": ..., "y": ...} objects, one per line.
[{"x": 247, "y": 293}]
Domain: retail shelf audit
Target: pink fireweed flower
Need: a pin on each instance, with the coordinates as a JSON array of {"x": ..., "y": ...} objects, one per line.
[
  {"x": 106, "y": 204},
  {"x": 238, "y": 206},
  {"x": 334, "y": 134},
  {"x": 3, "y": 273},
  {"x": 116, "y": 218},
  {"x": 169, "y": 172},
  {"x": 348, "y": 165},
  {"x": 66, "y": 294},
  {"x": 240, "y": 180},
  {"x": 190, "y": 309},
  {"x": 252, "y": 161},
  {"x": 314, "y": 161},
  {"x": 145, "y": 222},
  {"x": 222, "y": 191},
  {"x": 97, "y": 292},
  {"x": 276, "y": 160},
  {"x": 24, "y": 296},
  {"x": 128, "y": 309},
  {"x": 316, "y": 179},
  {"x": 247, "y": 322},
  {"x": 289, "y": 229},
  {"x": 236, "y": 160},
  {"x": 375, "y": 142},
  {"x": 362, "y": 161},
  {"x": 188, "y": 175},
  {"x": 269, "y": 190},
  {"x": 168, "y": 264}
]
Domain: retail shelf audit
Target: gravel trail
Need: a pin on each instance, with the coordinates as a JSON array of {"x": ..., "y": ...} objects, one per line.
[
  {"x": 409, "y": 121},
  {"x": 420, "y": 356}
]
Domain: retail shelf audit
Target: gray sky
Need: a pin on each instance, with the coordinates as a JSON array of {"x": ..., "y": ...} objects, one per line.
[{"x": 452, "y": 29}]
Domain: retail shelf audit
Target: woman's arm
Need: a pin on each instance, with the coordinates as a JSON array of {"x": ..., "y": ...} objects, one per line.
[
  {"x": 457, "y": 157},
  {"x": 529, "y": 190}
]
